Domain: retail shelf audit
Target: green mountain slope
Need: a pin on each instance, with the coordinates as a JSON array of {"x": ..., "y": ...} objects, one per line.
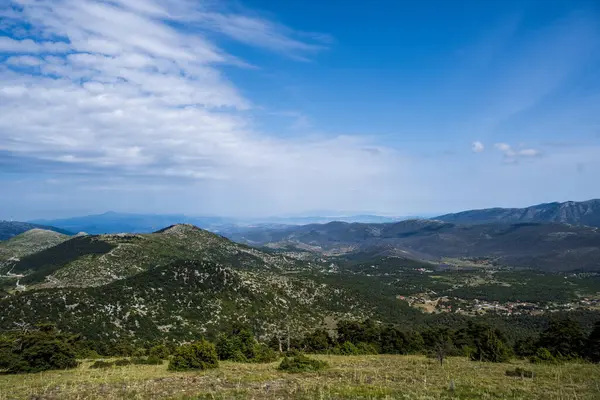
[
  {"x": 9, "y": 229},
  {"x": 30, "y": 242},
  {"x": 185, "y": 300},
  {"x": 183, "y": 282},
  {"x": 96, "y": 260}
]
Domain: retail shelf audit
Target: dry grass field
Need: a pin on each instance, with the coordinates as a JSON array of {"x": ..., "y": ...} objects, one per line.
[{"x": 349, "y": 377}]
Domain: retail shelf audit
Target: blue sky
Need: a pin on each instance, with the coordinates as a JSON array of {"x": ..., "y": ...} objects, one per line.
[{"x": 260, "y": 108}]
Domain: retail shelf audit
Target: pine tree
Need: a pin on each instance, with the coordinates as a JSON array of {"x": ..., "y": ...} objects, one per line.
[{"x": 593, "y": 345}]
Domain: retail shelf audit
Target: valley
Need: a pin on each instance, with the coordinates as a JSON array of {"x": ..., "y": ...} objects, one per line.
[
  {"x": 344, "y": 291},
  {"x": 181, "y": 281}
]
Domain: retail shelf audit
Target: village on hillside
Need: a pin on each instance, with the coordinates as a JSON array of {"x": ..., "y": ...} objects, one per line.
[{"x": 431, "y": 303}]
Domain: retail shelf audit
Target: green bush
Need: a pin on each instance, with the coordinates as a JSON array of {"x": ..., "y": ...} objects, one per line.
[
  {"x": 301, "y": 363},
  {"x": 6, "y": 352},
  {"x": 564, "y": 338},
  {"x": 41, "y": 350},
  {"x": 122, "y": 362},
  {"x": 264, "y": 354},
  {"x": 92, "y": 354},
  {"x": 490, "y": 346},
  {"x": 159, "y": 351},
  {"x": 150, "y": 360},
  {"x": 520, "y": 372},
  {"x": 318, "y": 341},
  {"x": 543, "y": 356},
  {"x": 292, "y": 353},
  {"x": 592, "y": 348},
  {"x": 241, "y": 346},
  {"x": 229, "y": 348},
  {"x": 237, "y": 346},
  {"x": 153, "y": 360},
  {"x": 199, "y": 355},
  {"x": 102, "y": 364},
  {"x": 366, "y": 348},
  {"x": 139, "y": 352},
  {"x": 346, "y": 349}
]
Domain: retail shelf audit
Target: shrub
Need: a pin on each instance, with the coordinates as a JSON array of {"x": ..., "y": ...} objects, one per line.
[
  {"x": 489, "y": 345},
  {"x": 592, "y": 351},
  {"x": 102, "y": 364},
  {"x": 42, "y": 350},
  {"x": 138, "y": 352},
  {"x": 345, "y": 349},
  {"x": 229, "y": 348},
  {"x": 301, "y": 363},
  {"x": 366, "y": 348},
  {"x": 199, "y": 355},
  {"x": 526, "y": 347},
  {"x": 150, "y": 360},
  {"x": 564, "y": 338},
  {"x": 240, "y": 346},
  {"x": 292, "y": 353},
  {"x": 6, "y": 352},
  {"x": 520, "y": 372},
  {"x": 122, "y": 362},
  {"x": 159, "y": 351},
  {"x": 543, "y": 356},
  {"x": 317, "y": 342},
  {"x": 92, "y": 354},
  {"x": 264, "y": 354},
  {"x": 467, "y": 351}
]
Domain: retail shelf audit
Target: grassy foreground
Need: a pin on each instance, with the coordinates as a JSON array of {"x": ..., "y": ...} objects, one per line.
[{"x": 349, "y": 377}]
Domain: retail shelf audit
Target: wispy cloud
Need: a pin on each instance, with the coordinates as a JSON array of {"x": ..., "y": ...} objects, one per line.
[
  {"x": 512, "y": 155},
  {"x": 477, "y": 147},
  {"x": 10, "y": 45},
  {"x": 132, "y": 93},
  {"x": 533, "y": 81},
  {"x": 265, "y": 34}
]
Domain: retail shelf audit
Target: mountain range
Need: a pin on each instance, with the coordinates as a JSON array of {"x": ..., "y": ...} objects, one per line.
[
  {"x": 576, "y": 213},
  {"x": 570, "y": 212},
  {"x": 115, "y": 222},
  {"x": 556, "y": 247}
]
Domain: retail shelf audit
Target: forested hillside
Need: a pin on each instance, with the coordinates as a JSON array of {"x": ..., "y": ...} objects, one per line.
[{"x": 546, "y": 246}]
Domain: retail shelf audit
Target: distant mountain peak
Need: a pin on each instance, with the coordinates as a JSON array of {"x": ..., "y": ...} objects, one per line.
[
  {"x": 180, "y": 229},
  {"x": 568, "y": 212},
  {"x": 41, "y": 231}
]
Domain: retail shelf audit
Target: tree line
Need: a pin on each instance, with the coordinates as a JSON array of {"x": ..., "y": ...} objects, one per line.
[
  {"x": 563, "y": 340},
  {"x": 44, "y": 347}
]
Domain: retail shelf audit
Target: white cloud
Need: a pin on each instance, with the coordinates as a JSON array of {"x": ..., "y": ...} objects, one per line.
[
  {"x": 528, "y": 153},
  {"x": 135, "y": 95},
  {"x": 503, "y": 147},
  {"x": 28, "y": 61},
  {"x": 261, "y": 33},
  {"x": 478, "y": 147},
  {"x": 9, "y": 45},
  {"x": 512, "y": 155}
]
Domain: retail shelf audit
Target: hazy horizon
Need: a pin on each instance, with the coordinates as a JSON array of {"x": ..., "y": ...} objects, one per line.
[{"x": 308, "y": 214}]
